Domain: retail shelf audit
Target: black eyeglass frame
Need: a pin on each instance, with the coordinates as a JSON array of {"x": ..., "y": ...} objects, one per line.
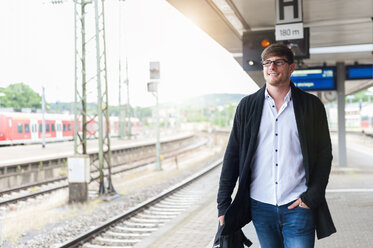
[{"x": 277, "y": 62}]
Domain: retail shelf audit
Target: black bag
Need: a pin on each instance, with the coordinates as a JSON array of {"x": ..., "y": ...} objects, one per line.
[{"x": 233, "y": 240}]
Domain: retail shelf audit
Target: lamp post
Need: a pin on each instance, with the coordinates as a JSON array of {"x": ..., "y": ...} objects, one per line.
[
  {"x": 154, "y": 75},
  {"x": 122, "y": 128},
  {"x": 153, "y": 88}
]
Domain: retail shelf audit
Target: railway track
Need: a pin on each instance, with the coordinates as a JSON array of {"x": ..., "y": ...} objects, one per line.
[
  {"x": 60, "y": 183},
  {"x": 129, "y": 228}
]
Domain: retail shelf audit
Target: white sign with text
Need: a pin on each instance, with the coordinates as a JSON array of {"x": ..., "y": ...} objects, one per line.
[{"x": 292, "y": 31}]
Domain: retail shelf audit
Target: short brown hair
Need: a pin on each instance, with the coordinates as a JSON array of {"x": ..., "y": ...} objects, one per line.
[{"x": 278, "y": 50}]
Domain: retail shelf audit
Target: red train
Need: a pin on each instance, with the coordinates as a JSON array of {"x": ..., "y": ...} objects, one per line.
[{"x": 25, "y": 128}]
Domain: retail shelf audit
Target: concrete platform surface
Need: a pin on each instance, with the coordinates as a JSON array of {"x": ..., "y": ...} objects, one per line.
[
  {"x": 29, "y": 153},
  {"x": 349, "y": 195}
]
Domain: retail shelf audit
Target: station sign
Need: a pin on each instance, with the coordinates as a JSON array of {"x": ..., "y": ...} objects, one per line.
[
  {"x": 291, "y": 31},
  {"x": 315, "y": 79},
  {"x": 152, "y": 86},
  {"x": 154, "y": 70},
  {"x": 359, "y": 72},
  {"x": 288, "y": 11},
  {"x": 289, "y": 19}
]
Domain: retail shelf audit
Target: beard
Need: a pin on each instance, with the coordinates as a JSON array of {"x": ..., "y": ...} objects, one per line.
[{"x": 277, "y": 78}]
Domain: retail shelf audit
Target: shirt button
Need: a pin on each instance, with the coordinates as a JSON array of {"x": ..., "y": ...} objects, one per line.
[
  {"x": 276, "y": 119},
  {"x": 273, "y": 106},
  {"x": 276, "y": 134},
  {"x": 276, "y": 164},
  {"x": 276, "y": 182},
  {"x": 276, "y": 150}
]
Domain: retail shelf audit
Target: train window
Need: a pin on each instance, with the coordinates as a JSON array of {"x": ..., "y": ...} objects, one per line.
[
  {"x": 64, "y": 127},
  {"x": 53, "y": 128},
  {"x": 19, "y": 128},
  {"x": 69, "y": 127},
  {"x": 47, "y": 128},
  {"x": 27, "y": 128},
  {"x": 10, "y": 123},
  {"x": 40, "y": 128}
]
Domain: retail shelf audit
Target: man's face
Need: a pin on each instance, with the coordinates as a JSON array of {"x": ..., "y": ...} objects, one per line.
[{"x": 277, "y": 75}]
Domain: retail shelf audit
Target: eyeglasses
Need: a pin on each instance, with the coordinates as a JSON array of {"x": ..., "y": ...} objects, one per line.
[{"x": 277, "y": 62}]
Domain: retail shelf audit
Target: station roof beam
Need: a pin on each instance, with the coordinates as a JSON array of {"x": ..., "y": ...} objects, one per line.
[{"x": 332, "y": 23}]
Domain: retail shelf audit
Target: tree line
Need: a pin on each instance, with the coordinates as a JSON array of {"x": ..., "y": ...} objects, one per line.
[
  {"x": 19, "y": 96},
  {"x": 215, "y": 108}
]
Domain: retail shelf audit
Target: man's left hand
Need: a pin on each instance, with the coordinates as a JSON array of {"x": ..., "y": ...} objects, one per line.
[{"x": 298, "y": 203}]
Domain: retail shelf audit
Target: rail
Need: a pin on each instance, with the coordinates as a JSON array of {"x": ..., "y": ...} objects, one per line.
[
  {"x": 79, "y": 240},
  {"x": 24, "y": 197}
]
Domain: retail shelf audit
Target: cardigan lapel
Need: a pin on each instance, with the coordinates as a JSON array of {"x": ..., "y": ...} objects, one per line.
[
  {"x": 258, "y": 109},
  {"x": 254, "y": 114},
  {"x": 300, "y": 119}
]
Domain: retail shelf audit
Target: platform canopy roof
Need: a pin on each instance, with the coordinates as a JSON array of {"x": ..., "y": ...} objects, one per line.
[{"x": 332, "y": 23}]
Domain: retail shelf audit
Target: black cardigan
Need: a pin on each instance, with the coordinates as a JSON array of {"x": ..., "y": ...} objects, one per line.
[{"x": 316, "y": 150}]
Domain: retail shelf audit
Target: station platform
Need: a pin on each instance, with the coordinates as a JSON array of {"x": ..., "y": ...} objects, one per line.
[
  {"x": 29, "y": 153},
  {"x": 349, "y": 195}
]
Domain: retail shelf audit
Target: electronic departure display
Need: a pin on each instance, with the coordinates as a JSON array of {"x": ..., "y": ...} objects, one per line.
[
  {"x": 315, "y": 79},
  {"x": 359, "y": 72}
]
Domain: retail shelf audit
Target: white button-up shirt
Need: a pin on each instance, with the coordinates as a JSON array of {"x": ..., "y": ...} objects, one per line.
[{"x": 278, "y": 175}]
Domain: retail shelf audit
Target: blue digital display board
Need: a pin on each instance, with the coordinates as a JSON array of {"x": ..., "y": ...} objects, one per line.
[
  {"x": 315, "y": 79},
  {"x": 359, "y": 72}
]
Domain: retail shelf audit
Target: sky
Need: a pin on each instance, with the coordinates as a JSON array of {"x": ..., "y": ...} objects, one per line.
[{"x": 37, "y": 48}]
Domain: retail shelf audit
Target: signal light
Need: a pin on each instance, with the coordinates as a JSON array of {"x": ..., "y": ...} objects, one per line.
[
  {"x": 254, "y": 43},
  {"x": 265, "y": 43}
]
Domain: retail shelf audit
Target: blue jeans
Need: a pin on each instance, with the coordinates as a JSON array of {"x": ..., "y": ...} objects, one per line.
[{"x": 278, "y": 226}]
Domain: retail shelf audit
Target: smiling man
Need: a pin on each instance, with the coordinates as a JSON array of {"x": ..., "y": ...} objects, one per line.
[{"x": 280, "y": 150}]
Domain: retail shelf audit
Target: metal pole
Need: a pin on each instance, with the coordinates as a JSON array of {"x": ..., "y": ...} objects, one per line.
[
  {"x": 128, "y": 102},
  {"x": 99, "y": 104},
  {"x": 157, "y": 146},
  {"x": 120, "y": 112},
  {"x": 107, "y": 114},
  {"x": 341, "y": 77},
  {"x": 121, "y": 121},
  {"x": 43, "y": 116},
  {"x": 75, "y": 84},
  {"x": 84, "y": 82},
  {"x": 128, "y": 107},
  {"x": 79, "y": 163}
]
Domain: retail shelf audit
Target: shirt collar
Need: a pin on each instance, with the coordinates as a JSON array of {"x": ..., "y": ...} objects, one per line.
[{"x": 287, "y": 98}]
